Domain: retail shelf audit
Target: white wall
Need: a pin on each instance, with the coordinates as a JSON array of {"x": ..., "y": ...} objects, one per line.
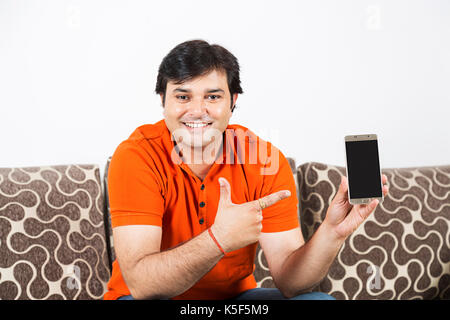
[{"x": 77, "y": 77}]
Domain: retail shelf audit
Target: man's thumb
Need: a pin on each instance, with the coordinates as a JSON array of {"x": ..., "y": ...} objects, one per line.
[
  {"x": 341, "y": 195},
  {"x": 225, "y": 191}
]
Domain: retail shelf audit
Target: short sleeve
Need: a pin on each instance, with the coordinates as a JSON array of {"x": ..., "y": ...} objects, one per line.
[
  {"x": 135, "y": 193},
  {"x": 278, "y": 176}
]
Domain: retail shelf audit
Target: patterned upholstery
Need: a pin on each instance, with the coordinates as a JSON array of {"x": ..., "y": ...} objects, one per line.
[
  {"x": 402, "y": 250},
  {"x": 55, "y": 241},
  {"x": 52, "y": 236}
]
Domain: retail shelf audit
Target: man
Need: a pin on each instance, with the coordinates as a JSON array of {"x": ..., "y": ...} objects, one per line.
[{"x": 189, "y": 203}]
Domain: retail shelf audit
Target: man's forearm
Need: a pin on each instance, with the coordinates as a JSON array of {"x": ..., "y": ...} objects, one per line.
[
  {"x": 169, "y": 273},
  {"x": 309, "y": 264}
]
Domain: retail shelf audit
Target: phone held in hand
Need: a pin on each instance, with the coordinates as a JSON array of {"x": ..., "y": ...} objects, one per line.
[{"x": 363, "y": 169}]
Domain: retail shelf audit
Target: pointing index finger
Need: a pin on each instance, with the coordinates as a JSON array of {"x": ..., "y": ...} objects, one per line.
[{"x": 273, "y": 198}]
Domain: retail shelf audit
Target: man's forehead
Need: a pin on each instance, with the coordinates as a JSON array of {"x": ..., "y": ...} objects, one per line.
[
  {"x": 206, "y": 90},
  {"x": 212, "y": 81}
]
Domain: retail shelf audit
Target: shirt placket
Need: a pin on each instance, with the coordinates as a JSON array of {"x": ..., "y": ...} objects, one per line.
[{"x": 202, "y": 205}]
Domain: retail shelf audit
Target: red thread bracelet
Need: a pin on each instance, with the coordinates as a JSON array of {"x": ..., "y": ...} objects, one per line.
[{"x": 215, "y": 240}]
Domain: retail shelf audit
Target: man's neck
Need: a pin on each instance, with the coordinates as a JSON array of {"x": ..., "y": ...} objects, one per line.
[{"x": 201, "y": 159}]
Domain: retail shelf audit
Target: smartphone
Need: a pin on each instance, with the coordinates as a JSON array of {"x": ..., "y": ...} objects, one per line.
[{"x": 363, "y": 169}]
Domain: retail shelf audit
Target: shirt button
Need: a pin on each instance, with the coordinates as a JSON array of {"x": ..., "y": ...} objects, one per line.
[
  {"x": 202, "y": 204},
  {"x": 202, "y": 187},
  {"x": 201, "y": 221}
]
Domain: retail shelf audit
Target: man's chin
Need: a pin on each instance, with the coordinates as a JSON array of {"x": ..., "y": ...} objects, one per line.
[
  {"x": 195, "y": 143},
  {"x": 198, "y": 138}
]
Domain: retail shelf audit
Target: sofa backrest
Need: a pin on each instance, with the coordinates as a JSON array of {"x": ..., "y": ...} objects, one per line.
[
  {"x": 402, "y": 250},
  {"x": 55, "y": 240},
  {"x": 52, "y": 233}
]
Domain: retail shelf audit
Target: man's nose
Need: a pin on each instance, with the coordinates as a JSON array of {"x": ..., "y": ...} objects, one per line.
[{"x": 197, "y": 106}]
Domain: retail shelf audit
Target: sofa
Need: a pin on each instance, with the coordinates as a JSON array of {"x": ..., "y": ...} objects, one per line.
[{"x": 56, "y": 239}]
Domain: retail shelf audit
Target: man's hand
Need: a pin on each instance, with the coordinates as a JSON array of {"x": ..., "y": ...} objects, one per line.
[
  {"x": 344, "y": 218},
  {"x": 238, "y": 225}
]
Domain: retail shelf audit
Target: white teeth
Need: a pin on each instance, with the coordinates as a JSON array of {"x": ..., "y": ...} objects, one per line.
[{"x": 196, "y": 125}]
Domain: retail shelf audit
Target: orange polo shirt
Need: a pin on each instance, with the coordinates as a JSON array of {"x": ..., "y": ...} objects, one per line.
[{"x": 148, "y": 184}]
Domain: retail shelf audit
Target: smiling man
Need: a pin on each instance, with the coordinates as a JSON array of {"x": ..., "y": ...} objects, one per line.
[{"x": 191, "y": 196}]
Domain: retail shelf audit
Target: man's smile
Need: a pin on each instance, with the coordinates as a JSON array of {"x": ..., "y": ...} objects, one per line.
[{"x": 196, "y": 126}]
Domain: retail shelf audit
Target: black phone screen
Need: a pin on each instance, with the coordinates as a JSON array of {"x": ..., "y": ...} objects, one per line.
[{"x": 363, "y": 169}]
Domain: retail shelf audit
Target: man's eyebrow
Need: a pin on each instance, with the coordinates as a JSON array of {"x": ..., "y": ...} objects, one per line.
[
  {"x": 215, "y": 90},
  {"x": 189, "y": 90},
  {"x": 181, "y": 90}
]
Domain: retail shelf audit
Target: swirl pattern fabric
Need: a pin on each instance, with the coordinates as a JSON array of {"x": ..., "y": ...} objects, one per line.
[
  {"x": 52, "y": 233},
  {"x": 401, "y": 251}
]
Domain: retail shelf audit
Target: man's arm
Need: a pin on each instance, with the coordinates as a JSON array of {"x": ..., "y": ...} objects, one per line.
[
  {"x": 297, "y": 266},
  {"x": 151, "y": 274}
]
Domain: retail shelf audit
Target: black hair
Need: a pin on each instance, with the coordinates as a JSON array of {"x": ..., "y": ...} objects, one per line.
[{"x": 195, "y": 58}]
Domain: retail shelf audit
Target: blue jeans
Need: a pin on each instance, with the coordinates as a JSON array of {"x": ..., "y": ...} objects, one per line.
[
  {"x": 268, "y": 294},
  {"x": 275, "y": 294}
]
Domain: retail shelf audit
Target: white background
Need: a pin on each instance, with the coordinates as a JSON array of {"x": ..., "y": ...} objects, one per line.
[{"x": 77, "y": 77}]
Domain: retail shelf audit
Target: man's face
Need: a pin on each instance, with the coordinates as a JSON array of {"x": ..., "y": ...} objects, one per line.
[{"x": 198, "y": 109}]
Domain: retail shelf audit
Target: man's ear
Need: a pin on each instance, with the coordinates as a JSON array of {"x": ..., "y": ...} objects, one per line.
[
  {"x": 235, "y": 96},
  {"x": 233, "y": 106},
  {"x": 162, "y": 99}
]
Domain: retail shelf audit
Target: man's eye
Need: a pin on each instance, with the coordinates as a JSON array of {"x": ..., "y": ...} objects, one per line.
[
  {"x": 182, "y": 97},
  {"x": 216, "y": 96}
]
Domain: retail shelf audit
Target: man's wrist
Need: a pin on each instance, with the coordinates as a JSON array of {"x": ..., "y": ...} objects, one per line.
[
  {"x": 217, "y": 243},
  {"x": 330, "y": 232}
]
